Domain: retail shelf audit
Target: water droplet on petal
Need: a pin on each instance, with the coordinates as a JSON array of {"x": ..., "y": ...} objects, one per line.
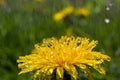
[
  {"x": 108, "y": 60},
  {"x": 78, "y": 43},
  {"x": 107, "y": 20},
  {"x": 100, "y": 61},
  {"x": 96, "y": 42},
  {"x": 26, "y": 66}
]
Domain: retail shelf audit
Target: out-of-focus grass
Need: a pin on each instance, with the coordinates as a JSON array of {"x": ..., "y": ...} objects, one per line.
[{"x": 24, "y": 23}]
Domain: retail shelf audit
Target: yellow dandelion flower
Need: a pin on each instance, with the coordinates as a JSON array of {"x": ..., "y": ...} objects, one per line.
[
  {"x": 59, "y": 16},
  {"x": 81, "y": 12},
  {"x": 68, "y": 10},
  {"x": 62, "y": 56}
]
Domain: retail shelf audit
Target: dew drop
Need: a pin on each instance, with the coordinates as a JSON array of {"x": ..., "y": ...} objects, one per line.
[
  {"x": 108, "y": 60},
  {"x": 96, "y": 42},
  {"x": 99, "y": 62},
  {"x": 107, "y": 20},
  {"x": 26, "y": 66},
  {"x": 78, "y": 43},
  {"x": 107, "y": 8},
  {"x": 110, "y": 4}
]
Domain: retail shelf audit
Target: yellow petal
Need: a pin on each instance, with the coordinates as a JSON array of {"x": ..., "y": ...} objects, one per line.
[
  {"x": 59, "y": 73},
  {"x": 99, "y": 69},
  {"x": 71, "y": 70},
  {"x": 81, "y": 66},
  {"x": 36, "y": 74},
  {"x": 50, "y": 71},
  {"x": 87, "y": 71}
]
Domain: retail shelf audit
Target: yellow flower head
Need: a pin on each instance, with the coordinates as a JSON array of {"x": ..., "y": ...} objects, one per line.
[
  {"x": 60, "y": 56},
  {"x": 81, "y": 12},
  {"x": 68, "y": 10},
  {"x": 59, "y": 16}
]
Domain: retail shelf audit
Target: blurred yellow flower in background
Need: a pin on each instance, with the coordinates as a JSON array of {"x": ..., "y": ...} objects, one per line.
[
  {"x": 82, "y": 12},
  {"x": 59, "y": 16},
  {"x": 38, "y": 1},
  {"x": 62, "y": 56},
  {"x": 2, "y": 2},
  {"x": 68, "y": 10}
]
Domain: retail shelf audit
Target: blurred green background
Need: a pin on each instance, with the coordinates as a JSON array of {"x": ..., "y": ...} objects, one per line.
[{"x": 24, "y": 23}]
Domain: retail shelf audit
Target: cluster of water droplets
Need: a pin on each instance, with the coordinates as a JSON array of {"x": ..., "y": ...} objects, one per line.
[{"x": 108, "y": 7}]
